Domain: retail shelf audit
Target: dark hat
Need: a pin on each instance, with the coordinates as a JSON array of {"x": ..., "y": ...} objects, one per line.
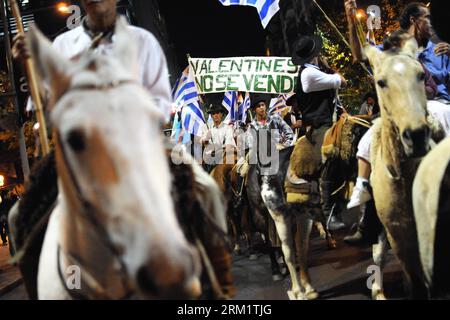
[
  {"x": 306, "y": 48},
  {"x": 256, "y": 98},
  {"x": 216, "y": 108}
]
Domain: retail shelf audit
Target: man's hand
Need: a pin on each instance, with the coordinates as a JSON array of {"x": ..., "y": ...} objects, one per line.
[
  {"x": 298, "y": 124},
  {"x": 343, "y": 80},
  {"x": 442, "y": 48},
  {"x": 20, "y": 50}
]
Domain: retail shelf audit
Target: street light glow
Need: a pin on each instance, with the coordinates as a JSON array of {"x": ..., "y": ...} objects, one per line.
[
  {"x": 360, "y": 14},
  {"x": 2, "y": 181},
  {"x": 62, "y": 7}
]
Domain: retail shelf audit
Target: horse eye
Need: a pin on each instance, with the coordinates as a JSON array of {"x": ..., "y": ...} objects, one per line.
[
  {"x": 76, "y": 140},
  {"x": 382, "y": 83},
  {"x": 421, "y": 76}
]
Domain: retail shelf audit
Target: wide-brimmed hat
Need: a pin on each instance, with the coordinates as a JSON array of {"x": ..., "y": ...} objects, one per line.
[
  {"x": 256, "y": 98},
  {"x": 216, "y": 108},
  {"x": 306, "y": 48}
]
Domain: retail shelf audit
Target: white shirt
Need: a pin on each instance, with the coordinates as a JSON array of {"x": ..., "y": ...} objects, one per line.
[
  {"x": 220, "y": 136},
  {"x": 153, "y": 72},
  {"x": 315, "y": 80}
]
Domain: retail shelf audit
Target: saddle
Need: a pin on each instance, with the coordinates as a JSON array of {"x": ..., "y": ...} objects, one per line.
[{"x": 301, "y": 182}]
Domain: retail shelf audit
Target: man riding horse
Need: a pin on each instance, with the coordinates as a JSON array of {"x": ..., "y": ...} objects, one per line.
[
  {"x": 218, "y": 138},
  {"x": 316, "y": 94},
  {"x": 96, "y": 32}
]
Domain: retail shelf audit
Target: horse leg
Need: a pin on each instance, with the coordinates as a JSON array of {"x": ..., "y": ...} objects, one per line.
[
  {"x": 379, "y": 252},
  {"x": 304, "y": 227},
  {"x": 275, "y": 267},
  {"x": 282, "y": 224},
  {"x": 320, "y": 219}
]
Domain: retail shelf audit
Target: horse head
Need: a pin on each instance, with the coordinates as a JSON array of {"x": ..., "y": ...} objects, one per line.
[
  {"x": 400, "y": 86},
  {"x": 113, "y": 172}
]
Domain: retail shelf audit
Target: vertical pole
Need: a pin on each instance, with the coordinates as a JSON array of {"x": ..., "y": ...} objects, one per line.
[
  {"x": 9, "y": 62},
  {"x": 32, "y": 83},
  {"x": 283, "y": 28}
]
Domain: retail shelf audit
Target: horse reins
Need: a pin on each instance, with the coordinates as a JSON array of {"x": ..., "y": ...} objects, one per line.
[{"x": 88, "y": 209}]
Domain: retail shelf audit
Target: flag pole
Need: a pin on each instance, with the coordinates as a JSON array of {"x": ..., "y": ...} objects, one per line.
[
  {"x": 32, "y": 81},
  {"x": 340, "y": 34}
]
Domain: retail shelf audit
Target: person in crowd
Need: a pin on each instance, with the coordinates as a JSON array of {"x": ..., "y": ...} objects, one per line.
[
  {"x": 219, "y": 138},
  {"x": 414, "y": 22},
  {"x": 316, "y": 96}
]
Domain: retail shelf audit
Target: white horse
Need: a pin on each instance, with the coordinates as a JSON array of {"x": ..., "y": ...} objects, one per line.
[
  {"x": 432, "y": 213},
  {"x": 399, "y": 139},
  {"x": 113, "y": 232}
]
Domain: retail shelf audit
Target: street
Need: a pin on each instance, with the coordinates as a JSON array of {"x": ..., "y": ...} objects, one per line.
[{"x": 336, "y": 274}]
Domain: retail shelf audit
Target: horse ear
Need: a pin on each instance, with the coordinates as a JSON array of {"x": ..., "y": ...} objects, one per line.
[
  {"x": 411, "y": 48},
  {"x": 374, "y": 55},
  {"x": 125, "y": 46},
  {"x": 50, "y": 65}
]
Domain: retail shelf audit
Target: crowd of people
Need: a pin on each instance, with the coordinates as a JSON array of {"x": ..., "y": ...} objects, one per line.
[{"x": 314, "y": 107}]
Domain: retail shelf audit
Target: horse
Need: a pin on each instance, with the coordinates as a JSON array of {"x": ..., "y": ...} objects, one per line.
[
  {"x": 113, "y": 232},
  {"x": 431, "y": 211},
  {"x": 400, "y": 138}
]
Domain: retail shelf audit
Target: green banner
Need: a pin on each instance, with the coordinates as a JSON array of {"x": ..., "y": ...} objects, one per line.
[{"x": 247, "y": 74}]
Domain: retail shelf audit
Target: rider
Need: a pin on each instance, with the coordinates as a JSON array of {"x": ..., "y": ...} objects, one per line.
[
  {"x": 415, "y": 20},
  {"x": 100, "y": 20},
  {"x": 316, "y": 97},
  {"x": 153, "y": 75},
  {"x": 218, "y": 138},
  {"x": 284, "y": 136}
]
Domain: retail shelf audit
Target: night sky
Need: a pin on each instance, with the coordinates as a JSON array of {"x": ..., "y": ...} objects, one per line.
[{"x": 205, "y": 28}]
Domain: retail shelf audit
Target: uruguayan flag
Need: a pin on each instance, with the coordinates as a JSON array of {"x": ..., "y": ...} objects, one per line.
[
  {"x": 230, "y": 103},
  {"x": 278, "y": 105},
  {"x": 186, "y": 97},
  {"x": 266, "y": 8},
  {"x": 243, "y": 108}
]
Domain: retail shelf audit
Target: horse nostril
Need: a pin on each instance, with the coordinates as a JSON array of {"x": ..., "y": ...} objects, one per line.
[{"x": 146, "y": 281}]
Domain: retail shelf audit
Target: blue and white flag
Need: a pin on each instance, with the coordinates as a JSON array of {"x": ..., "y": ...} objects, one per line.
[
  {"x": 186, "y": 98},
  {"x": 243, "y": 108},
  {"x": 278, "y": 105},
  {"x": 230, "y": 103},
  {"x": 266, "y": 8}
]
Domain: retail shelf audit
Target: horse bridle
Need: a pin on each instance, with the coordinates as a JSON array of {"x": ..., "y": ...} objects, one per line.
[{"x": 88, "y": 214}]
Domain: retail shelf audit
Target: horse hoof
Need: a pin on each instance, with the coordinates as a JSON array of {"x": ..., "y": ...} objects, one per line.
[
  {"x": 277, "y": 277},
  {"x": 311, "y": 295},
  {"x": 379, "y": 296},
  {"x": 296, "y": 295},
  {"x": 253, "y": 257},
  {"x": 332, "y": 244}
]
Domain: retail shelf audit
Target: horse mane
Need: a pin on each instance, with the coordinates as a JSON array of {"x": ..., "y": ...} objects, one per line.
[{"x": 40, "y": 194}]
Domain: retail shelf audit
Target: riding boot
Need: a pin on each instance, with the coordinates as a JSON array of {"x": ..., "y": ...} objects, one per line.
[
  {"x": 369, "y": 227},
  {"x": 334, "y": 223}
]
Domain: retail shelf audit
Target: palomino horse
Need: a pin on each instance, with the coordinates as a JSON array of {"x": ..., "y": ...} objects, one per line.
[
  {"x": 114, "y": 220},
  {"x": 432, "y": 213},
  {"x": 399, "y": 138}
]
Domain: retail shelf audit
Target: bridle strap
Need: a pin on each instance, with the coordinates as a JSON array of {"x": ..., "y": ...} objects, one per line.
[{"x": 88, "y": 209}]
